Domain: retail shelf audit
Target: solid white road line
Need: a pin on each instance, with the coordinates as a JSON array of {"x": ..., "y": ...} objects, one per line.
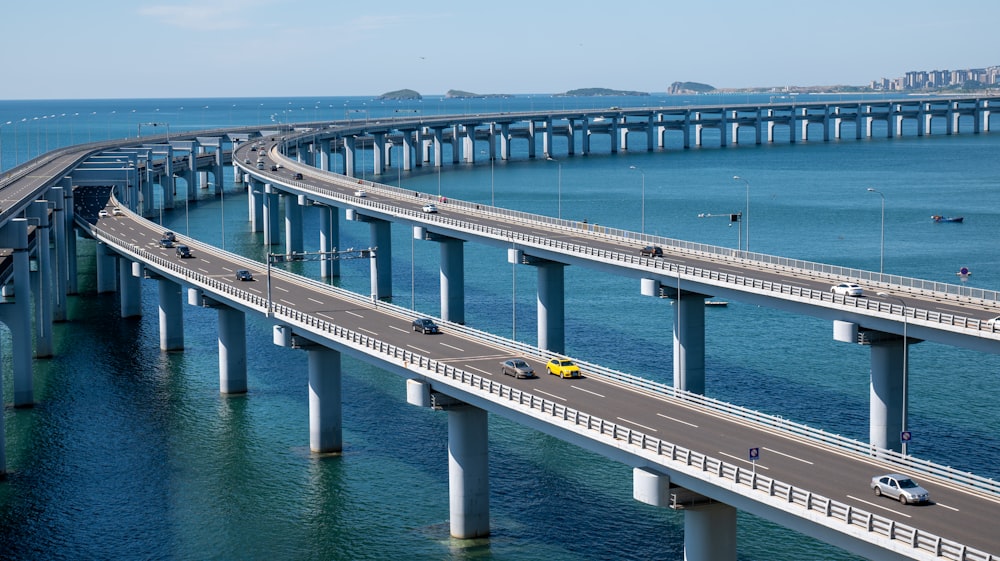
[
  {"x": 788, "y": 456},
  {"x": 588, "y": 391},
  {"x": 624, "y": 420},
  {"x": 677, "y": 420}
]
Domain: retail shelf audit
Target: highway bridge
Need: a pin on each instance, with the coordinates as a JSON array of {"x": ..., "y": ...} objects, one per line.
[{"x": 688, "y": 451}]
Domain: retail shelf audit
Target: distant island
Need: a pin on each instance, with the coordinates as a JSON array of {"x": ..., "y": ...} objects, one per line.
[
  {"x": 459, "y": 94},
  {"x": 400, "y": 94},
  {"x": 585, "y": 92}
]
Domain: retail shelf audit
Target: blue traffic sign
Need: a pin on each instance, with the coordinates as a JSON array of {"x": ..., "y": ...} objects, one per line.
[
  {"x": 905, "y": 436},
  {"x": 754, "y": 454}
]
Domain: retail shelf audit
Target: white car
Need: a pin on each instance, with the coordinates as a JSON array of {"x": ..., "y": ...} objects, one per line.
[
  {"x": 117, "y": 212},
  {"x": 846, "y": 289},
  {"x": 102, "y": 213},
  {"x": 360, "y": 193},
  {"x": 993, "y": 323},
  {"x": 430, "y": 207}
]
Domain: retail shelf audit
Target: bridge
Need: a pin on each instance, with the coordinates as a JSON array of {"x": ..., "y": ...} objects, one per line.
[{"x": 670, "y": 470}]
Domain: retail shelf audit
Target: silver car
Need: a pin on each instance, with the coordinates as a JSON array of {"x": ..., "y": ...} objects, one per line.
[
  {"x": 899, "y": 487},
  {"x": 517, "y": 368}
]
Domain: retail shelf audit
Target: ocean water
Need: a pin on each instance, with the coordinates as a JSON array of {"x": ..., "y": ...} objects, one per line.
[{"x": 131, "y": 453}]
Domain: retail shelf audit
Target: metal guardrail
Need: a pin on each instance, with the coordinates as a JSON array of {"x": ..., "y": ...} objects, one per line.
[
  {"x": 757, "y": 486},
  {"x": 674, "y": 269}
]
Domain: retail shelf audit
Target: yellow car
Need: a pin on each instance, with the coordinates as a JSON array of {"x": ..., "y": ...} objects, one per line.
[{"x": 563, "y": 367}]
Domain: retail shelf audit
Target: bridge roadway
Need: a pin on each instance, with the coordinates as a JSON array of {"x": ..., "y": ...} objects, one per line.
[
  {"x": 949, "y": 318},
  {"x": 957, "y": 513}
]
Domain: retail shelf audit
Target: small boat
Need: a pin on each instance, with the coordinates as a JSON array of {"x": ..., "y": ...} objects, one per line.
[
  {"x": 716, "y": 303},
  {"x": 939, "y": 218}
]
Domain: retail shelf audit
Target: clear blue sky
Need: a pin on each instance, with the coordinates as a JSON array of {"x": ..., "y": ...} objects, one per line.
[{"x": 222, "y": 48}]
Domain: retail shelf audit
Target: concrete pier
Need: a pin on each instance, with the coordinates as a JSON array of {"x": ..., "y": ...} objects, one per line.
[
  {"x": 710, "y": 533},
  {"x": 887, "y": 394},
  {"x": 270, "y": 211},
  {"x": 325, "y": 410},
  {"x": 130, "y": 293},
  {"x": 41, "y": 281},
  {"x": 468, "y": 472},
  {"x": 232, "y": 350},
  {"x": 689, "y": 342},
  {"x": 17, "y": 316},
  {"x": 293, "y": 223},
  {"x": 171, "y": 312}
]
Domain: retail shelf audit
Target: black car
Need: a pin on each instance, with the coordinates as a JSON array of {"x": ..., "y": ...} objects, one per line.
[
  {"x": 297, "y": 176},
  {"x": 244, "y": 275},
  {"x": 166, "y": 242},
  {"x": 651, "y": 251},
  {"x": 168, "y": 235},
  {"x": 183, "y": 251},
  {"x": 425, "y": 325}
]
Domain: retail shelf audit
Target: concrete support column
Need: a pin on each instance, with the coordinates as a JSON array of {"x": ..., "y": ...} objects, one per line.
[
  {"x": 130, "y": 294},
  {"x": 255, "y": 205},
  {"x": 41, "y": 279},
  {"x": 886, "y": 395},
  {"x": 378, "y": 153},
  {"x": 293, "y": 223},
  {"x": 107, "y": 280},
  {"x": 452, "y": 280},
  {"x": 710, "y": 533},
  {"x": 329, "y": 238},
  {"x": 468, "y": 472},
  {"x": 69, "y": 215},
  {"x": 689, "y": 342},
  {"x": 438, "y": 143},
  {"x": 408, "y": 149},
  {"x": 456, "y": 144},
  {"x": 551, "y": 306},
  {"x": 381, "y": 235},
  {"x": 171, "y": 315},
  {"x": 17, "y": 316},
  {"x": 60, "y": 255},
  {"x": 324, "y": 154},
  {"x": 325, "y": 416},
  {"x": 270, "y": 211},
  {"x": 232, "y": 350}
]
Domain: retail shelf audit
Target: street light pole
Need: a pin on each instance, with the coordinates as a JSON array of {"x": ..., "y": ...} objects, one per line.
[
  {"x": 746, "y": 212},
  {"x": 881, "y": 247},
  {"x": 906, "y": 373},
  {"x": 642, "y": 219}
]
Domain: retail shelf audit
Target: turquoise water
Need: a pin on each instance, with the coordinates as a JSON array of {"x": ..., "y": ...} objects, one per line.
[{"x": 132, "y": 453}]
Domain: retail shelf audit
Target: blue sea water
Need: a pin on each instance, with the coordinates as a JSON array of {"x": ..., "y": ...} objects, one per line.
[{"x": 131, "y": 453}]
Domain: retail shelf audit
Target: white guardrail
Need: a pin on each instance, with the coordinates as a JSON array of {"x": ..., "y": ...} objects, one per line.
[
  {"x": 753, "y": 484},
  {"x": 674, "y": 269}
]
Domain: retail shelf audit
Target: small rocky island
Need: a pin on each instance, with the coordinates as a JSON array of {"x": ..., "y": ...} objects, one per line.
[{"x": 400, "y": 94}]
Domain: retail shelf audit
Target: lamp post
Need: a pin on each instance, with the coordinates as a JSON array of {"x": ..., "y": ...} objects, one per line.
[
  {"x": 642, "y": 222},
  {"x": 559, "y": 189},
  {"x": 881, "y": 247},
  {"x": 1, "y": 143},
  {"x": 906, "y": 373},
  {"x": 746, "y": 211}
]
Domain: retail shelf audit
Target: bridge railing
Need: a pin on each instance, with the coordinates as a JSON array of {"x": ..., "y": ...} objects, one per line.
[
  {"x": 773, "y": 261},
  {"x": 696, "y": 273},
  {"x": 672, "y": 456}
]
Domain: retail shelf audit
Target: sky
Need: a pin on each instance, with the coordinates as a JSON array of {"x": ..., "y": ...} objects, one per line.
[{"x": 99, "y": 49}]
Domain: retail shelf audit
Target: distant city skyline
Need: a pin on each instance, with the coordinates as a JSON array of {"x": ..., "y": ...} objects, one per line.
[{"x": 276, "y": 48}]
